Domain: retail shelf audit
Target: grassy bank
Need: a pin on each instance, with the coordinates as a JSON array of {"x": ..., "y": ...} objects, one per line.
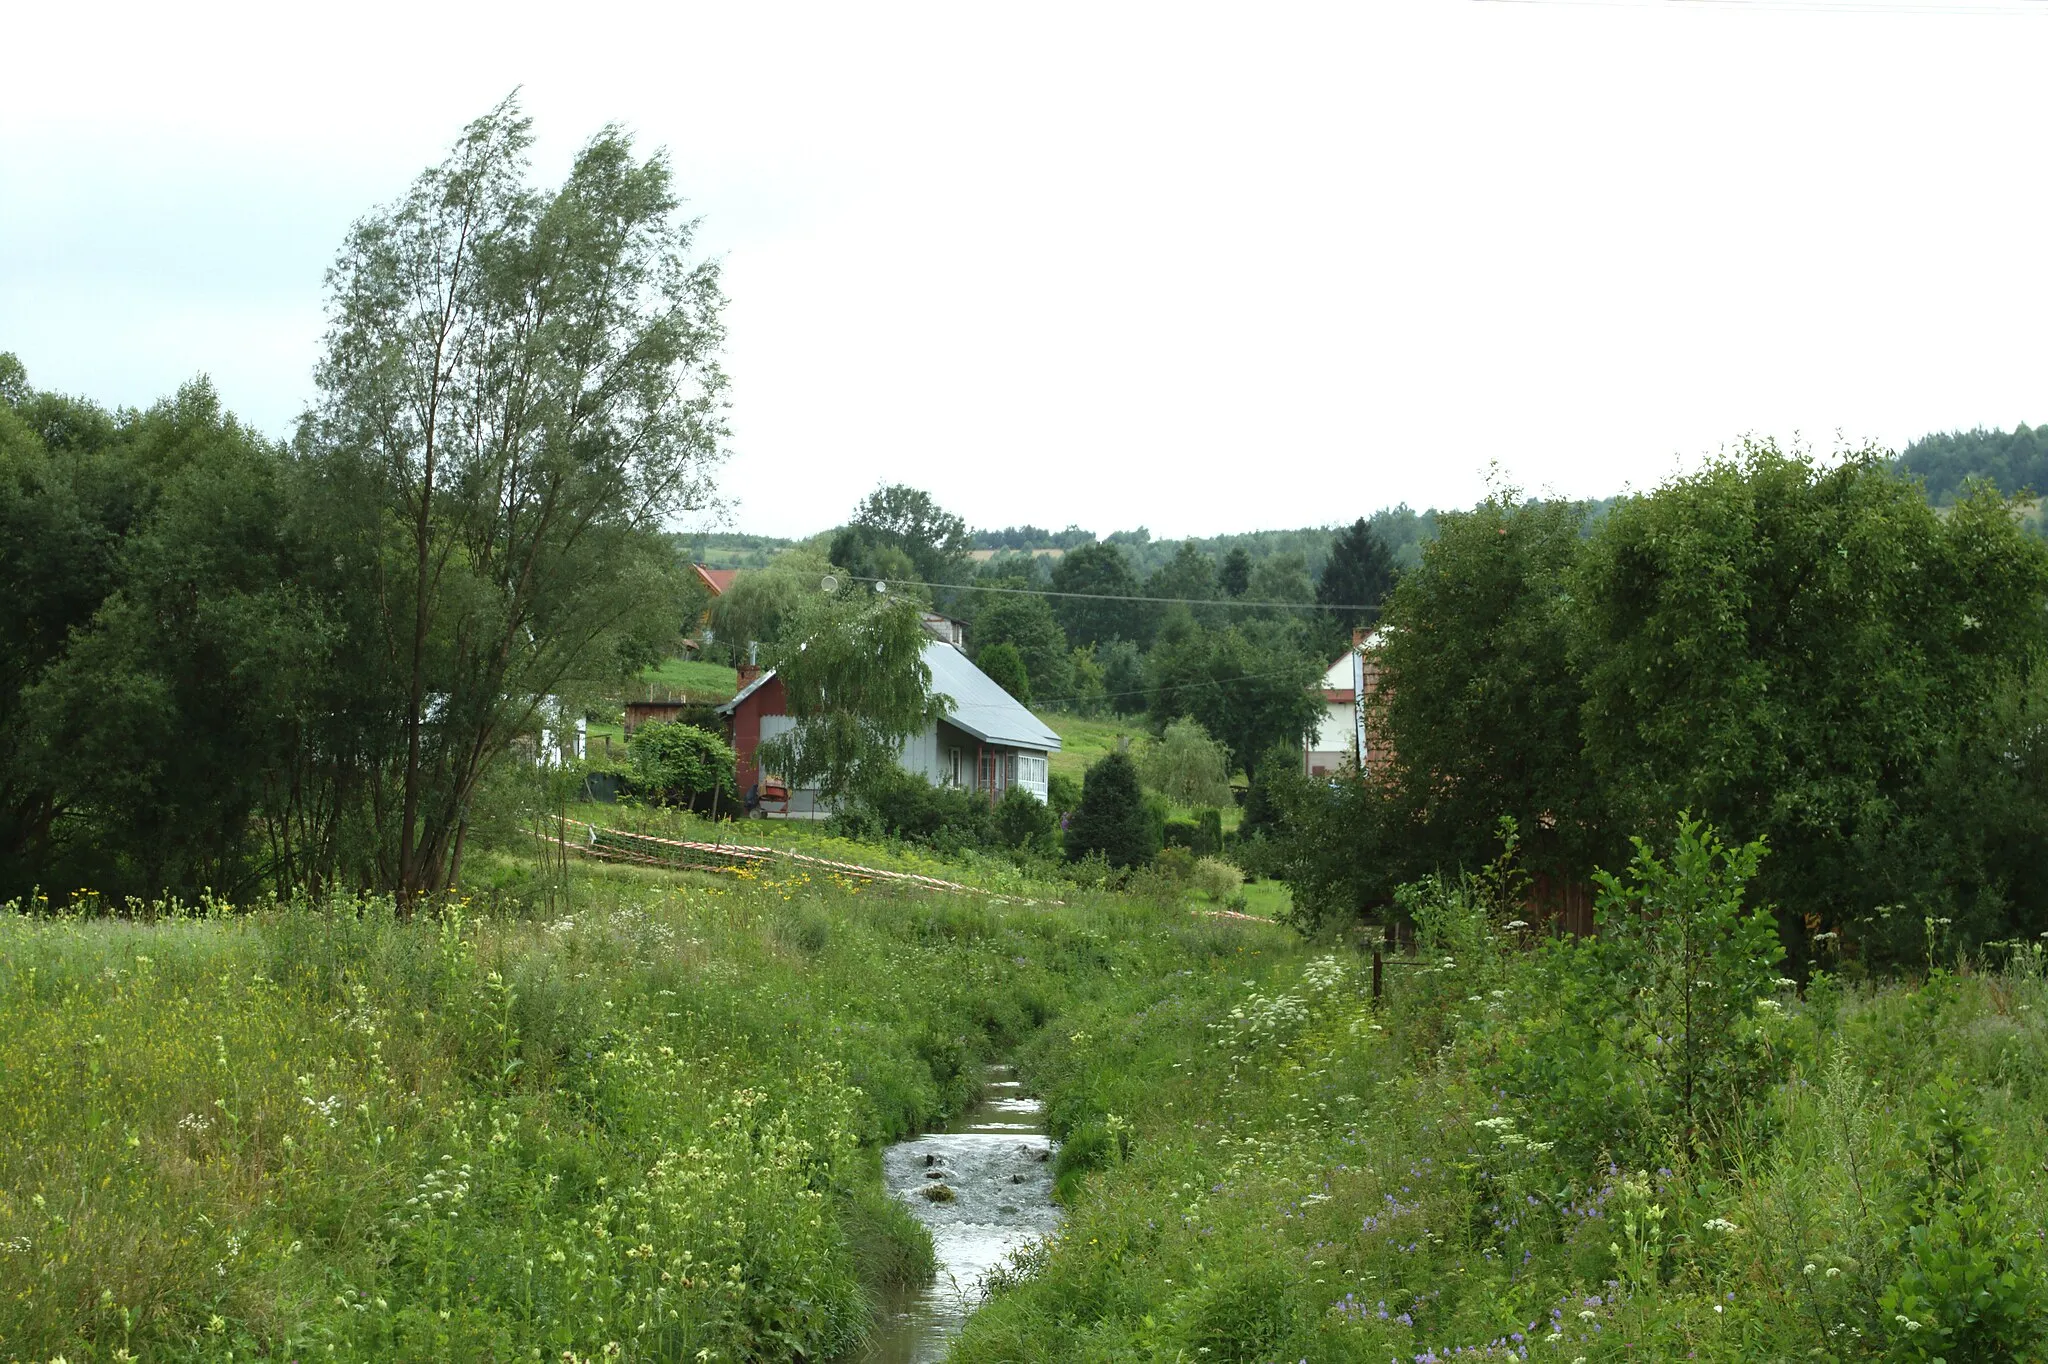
[
  {"x": 640, "y": 1127},
  {"x": 1263, "y": 1165}
]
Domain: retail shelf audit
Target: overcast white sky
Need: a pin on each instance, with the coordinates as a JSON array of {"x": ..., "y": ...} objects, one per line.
[{"x": 1199, "y": 268}]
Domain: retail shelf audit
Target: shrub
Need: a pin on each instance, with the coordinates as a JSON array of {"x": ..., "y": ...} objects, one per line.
[
  {"x": 904, "y": 805},
  {"x": 1062, "y": 793},
  {"x": 1022, "y": 820},
  {"x": 1175, "y": 864},
  {"x": 1209, "y": 837},
  {"x": 1180, "y": 833},
  {"x": 1112, "y": 819},
  {"x": 676, "y": 764},
  {"x": 1217, "y": 879},
  {"x": 1005, "y": 667},
  {"x": 1686, "y": 968},
  {"x": 1185, "y": 765}
]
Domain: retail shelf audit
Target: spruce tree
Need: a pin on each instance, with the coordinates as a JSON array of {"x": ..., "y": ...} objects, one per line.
[
  {"x": 1111, "y": 818},
  {"x": 1360, "y": 573},
  {"x": 1236, "y": 573}
]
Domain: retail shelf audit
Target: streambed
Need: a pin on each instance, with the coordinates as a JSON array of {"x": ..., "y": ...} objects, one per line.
[{"x": 997, "y": 1162}]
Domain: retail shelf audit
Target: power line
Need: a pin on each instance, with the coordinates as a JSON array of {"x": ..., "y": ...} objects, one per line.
[
  {"x": 1106, "y": 596},
  {"x": 1145, "y": 691}
]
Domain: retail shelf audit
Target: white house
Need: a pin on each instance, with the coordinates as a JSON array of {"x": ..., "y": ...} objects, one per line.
[
  {"x": 988, "y": 742},
  {"x": 1342, "y": 739}
]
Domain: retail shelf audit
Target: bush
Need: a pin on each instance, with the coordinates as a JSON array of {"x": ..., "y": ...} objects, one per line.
[
  {"x": 1217, "y": 879},
  {"x": 1654, "y": 1034},
  {"x": 1180, "y": 833},
  {"x": 1022, "y": 820},
  {"x": 1062, "y": 793},
  {"x": 1112, "y": 819},
  {"x": 906, "y": 806},
  {"x": 1185, "y": 765},
  {"x": 675, "y": 764},
  {"x": 1209, "y": 837},
  {"x": 1175, "y": 864},
  {"x": 1005, "y": 667}
]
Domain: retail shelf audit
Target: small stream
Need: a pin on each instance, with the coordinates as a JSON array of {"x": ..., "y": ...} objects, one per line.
[{"x": 997, "y": 1161}]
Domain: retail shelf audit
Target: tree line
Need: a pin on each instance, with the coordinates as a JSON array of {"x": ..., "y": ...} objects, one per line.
[
  {"x": 1233, "y": 643},
  {"x": 1799, "y": 652},
  {"x": 232, "y": 662}
]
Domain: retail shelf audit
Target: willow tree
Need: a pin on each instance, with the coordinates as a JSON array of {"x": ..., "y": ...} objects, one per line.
[
  {"x": 520, "y": 387},
  {"x": 855, "y": 681}
]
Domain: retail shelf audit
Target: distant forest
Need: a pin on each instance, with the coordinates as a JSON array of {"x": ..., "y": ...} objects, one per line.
[{"x": 2016, "y": 461}]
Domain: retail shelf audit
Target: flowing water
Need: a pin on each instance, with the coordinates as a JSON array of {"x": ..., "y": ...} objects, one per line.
[{"x": 997, "y": 1161}]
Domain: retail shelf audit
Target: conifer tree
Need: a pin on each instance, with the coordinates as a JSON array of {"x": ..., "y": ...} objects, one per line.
[{"x": 1111, "y": 818}]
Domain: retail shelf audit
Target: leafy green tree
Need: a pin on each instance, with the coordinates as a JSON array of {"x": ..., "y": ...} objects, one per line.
[
  {"x": 1234, "y": 575},
  {"x": 1112, "y": 819},
  {"x": 1284, "y": 578},
  {"x": 760, "y": 601},
  {"x": 1062, "y": 793},
  {"x": 1085, "y": 692},
  {"x": 1099, "y": 570},
  {"x": 69, "y": 497},
  {"x": 1186, "y": 766},
  {"x": 1027, "y": 624},
  {"x": 681, "y": 764},
  {"x": 1481, "y": 697},
  {"x": 1794, "y": 650},
  {"x": 901, "y": 532},
  {"x": 139, "y": 741},
  {"x": 2014, "y": 461},
  {"x": 1250, "y": 686},
  {"x": 519, "y": 388},
  {"x": 1189, "y": 575},
  {"x": 1686, "y": 964},
  {"x": 1359, "y": 574},
  {"x": 1005, "y": 667},
  {"x": 1123, "y": 676},
  {"x": 855, "y": 680}
]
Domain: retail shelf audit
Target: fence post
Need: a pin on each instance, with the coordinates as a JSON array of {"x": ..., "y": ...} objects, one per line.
[{"x": 1378, "y": 984}]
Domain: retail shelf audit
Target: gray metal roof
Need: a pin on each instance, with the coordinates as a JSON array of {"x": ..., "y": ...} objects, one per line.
[{"x": 980, "y": 707}]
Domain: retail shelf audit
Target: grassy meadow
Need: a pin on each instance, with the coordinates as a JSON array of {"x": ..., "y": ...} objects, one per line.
[
  {"x": 1263, "y": 1165},
  {"x": 637, "y": 1116},
  {"x": 641, "y": 1125}
]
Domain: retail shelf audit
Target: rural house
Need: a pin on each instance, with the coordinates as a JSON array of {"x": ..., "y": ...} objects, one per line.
[
  {"x": 988, "y": 743},
  {"x": 1339, "y": 740},
  {"x": 716, "y": 581}
]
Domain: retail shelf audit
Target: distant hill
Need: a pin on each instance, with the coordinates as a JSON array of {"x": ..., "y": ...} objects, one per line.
[
  {"x": 2015, "y": 460},
  {"x": 730, "y": 550}
]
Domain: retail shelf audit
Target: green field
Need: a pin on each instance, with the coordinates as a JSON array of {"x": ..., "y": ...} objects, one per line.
[
  {"x": 627, "y": 1113},
  {"x": 702, "y": 681},
  {"x": 1083, "y": 740}
]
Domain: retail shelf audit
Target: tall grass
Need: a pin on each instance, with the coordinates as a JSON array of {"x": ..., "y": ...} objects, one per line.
[
  {"x": 1263, "y": 1165},
  {"x": 644, "y": 1128}
]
